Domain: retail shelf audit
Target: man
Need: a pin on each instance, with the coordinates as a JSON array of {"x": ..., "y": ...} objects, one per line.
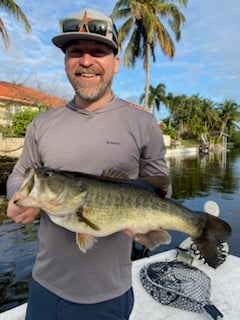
[{"x": 94, "y": 131}]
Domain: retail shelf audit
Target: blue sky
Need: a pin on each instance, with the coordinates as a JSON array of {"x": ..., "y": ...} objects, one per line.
[{"x": 207, "y": 59}]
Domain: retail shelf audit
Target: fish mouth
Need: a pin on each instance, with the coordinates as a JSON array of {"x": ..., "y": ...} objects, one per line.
[
  {"x": 28, "y": 184},
  {"x": 26, "y": 187}
]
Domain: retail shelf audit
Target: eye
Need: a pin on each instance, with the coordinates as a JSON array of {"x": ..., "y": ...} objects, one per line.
[
  {"x": 47, "y": 172},
  {"x": 75, "y": 52},
  {"x": 94, "y": 51},
  {"x": 98, "y": 52}
]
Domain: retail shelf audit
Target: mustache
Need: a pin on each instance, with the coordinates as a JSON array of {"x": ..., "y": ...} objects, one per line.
[{"x": 86, "y": 70}]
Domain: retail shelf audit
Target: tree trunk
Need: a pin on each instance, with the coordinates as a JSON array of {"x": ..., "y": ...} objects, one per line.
[{"x": 147, "y": 83}]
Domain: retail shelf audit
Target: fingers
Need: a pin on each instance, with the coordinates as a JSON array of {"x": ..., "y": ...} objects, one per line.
[
  {"x": 21, "y": 214},
  {"x": 128, "y": 233},
  {"x": 163, "y": 191},
  {"x": 27, "y": 215}
]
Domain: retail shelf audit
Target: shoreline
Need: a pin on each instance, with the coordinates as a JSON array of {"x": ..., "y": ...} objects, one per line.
[{"x": 170, "y": 152}]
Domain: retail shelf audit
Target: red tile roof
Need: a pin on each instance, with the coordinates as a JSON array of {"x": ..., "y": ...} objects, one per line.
[
  {"x": 135, "y": 105},
  {"x": 11, "y": 92}
]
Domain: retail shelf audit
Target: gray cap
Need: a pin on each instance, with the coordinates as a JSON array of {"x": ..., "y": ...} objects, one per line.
[{"x": 101, "y": 28}]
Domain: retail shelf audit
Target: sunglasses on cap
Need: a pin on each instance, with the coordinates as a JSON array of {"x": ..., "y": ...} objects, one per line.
[{"x": 99, "y": 27}]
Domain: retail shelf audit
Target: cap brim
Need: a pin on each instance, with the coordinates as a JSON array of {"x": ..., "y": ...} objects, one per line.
[{"x": 62, "y": 40}]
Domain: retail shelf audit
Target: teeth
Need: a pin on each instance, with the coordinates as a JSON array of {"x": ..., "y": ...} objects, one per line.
[{"x": 87, "y": 75}]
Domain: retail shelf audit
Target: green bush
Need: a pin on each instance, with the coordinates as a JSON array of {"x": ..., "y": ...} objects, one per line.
[
  {"x": 21, "y": 120},
  {"x": 170, "y": 131},
  {"x": 5, "y": 130},
  {"x": 235, "y": 138}
]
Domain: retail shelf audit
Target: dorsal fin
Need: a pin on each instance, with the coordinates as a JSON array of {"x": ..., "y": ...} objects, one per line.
[
  {"x": 159, "y": 183},
  {"x": 115, "y": 174},
  {"x": 156, "y": 181}
]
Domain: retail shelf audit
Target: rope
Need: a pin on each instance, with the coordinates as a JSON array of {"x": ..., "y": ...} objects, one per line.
[{"x": 12, "y": 149}]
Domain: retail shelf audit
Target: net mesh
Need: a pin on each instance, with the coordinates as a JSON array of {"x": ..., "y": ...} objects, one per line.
[{"x": 177, "y": 284}]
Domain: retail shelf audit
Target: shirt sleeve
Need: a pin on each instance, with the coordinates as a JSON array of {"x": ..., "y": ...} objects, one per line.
[{"x": 29, "y": 158}]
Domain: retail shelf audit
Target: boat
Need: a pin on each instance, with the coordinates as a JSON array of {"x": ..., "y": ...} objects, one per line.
[{"x": 225, "y": 292}]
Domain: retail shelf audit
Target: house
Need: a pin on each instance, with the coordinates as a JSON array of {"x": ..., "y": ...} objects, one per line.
[{"x": 16, "y": 97}]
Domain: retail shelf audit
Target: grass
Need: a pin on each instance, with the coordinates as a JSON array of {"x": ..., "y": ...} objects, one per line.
[{"x": 189, "y": 143}]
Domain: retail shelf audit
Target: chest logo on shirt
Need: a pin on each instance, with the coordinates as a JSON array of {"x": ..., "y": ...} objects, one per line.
[{"x": 113, "y": 142}]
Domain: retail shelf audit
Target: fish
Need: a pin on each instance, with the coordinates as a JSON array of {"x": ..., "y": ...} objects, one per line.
[{"x": 95, "y": 206}]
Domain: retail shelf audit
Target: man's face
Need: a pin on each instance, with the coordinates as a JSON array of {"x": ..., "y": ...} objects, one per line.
[{"x": 90, "y": 67}]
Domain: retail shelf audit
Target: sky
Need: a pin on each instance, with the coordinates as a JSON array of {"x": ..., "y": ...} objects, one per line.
[{"x": 206, "y": 61}]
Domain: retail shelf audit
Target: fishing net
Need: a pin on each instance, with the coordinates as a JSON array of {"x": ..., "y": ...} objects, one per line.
[
  {"x": 188, "y": 251},
  {"x": 177, "y": 284}
]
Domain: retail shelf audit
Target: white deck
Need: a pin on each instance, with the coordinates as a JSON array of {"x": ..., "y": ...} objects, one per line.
[{"x": 225, "y": 293}]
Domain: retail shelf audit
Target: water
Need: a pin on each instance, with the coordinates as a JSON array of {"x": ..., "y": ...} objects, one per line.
[
  {"x": 18, "y": 247},
  {"x": 195, "y": 180},
  {"x": 210, "y": 177}
]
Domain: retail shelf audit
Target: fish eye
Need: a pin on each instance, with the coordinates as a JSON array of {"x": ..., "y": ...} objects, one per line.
[{"x": 47, "y": 172}]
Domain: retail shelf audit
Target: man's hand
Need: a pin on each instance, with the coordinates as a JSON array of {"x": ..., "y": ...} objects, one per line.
[
  {"x": 130, "y": 234},
  {"x": 21, "y": 214},
  {"x": 164, "y": 191}
]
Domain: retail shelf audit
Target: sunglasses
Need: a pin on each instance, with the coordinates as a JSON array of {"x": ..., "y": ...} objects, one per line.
[{"x": 93, "y": 26}]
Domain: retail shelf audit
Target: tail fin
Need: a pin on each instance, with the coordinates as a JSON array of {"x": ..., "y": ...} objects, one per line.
[{"x": 214, "y": 232}]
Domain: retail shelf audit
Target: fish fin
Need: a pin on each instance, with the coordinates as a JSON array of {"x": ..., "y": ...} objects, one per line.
[
  {"x": 159, "y": 183},
  {"x": 114, "y": 174},
  {"x": 214, "y": 232},
  {"x": 81, "y": 218},
  {"x": 153, "y": 238},
  {"x": 156, "y": 181},
  {"x": 85, "y": 241}
]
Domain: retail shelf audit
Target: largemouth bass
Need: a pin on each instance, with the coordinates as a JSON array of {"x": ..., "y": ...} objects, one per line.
[{"x": 98, "y": 206}]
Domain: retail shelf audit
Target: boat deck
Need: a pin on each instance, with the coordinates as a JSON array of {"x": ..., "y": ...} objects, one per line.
[{"x": 225, "y": 293}]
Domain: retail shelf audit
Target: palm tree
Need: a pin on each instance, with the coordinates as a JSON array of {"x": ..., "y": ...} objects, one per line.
[
  {"x": 11, "y": 7},
  {"x": 181, "y": 113},
  {"x": 172, "y": 104},
  {"x": 156, "y": 96},
  {"x": 4, "y": 34},
  {"x": 143, "y": 19},
  {"x": 229, "y": 113}
]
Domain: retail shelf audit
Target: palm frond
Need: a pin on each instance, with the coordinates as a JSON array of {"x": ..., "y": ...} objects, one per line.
[
  {"x": 148, "y": 19},
  {"x": 4, "y": 34},
  {"x": 13, "y": 9}
]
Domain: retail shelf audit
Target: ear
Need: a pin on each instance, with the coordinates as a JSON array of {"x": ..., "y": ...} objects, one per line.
[{"x": 117, "y": 64}]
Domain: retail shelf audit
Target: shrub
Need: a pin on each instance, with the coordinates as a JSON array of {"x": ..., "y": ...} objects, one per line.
[
  {"x": 21, "y": 120},
  {"x": 170, "y": 131}
]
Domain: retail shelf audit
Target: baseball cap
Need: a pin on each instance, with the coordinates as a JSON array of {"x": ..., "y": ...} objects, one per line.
[{"x": 87, "y": 24}]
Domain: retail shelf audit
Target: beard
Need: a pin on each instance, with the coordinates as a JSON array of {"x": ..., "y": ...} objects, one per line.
[
  {"x": 91, "y": 94},
  {"x": 88, "y": 91}
]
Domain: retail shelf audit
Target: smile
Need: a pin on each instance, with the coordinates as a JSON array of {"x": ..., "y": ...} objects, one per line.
[{"x": 88, "y": 75}]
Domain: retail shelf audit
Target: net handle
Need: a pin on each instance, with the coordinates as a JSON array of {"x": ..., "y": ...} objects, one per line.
[{"x": 213, "y": 311}]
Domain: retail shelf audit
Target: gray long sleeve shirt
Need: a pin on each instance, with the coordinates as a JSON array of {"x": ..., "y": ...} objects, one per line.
[{"x": 116, "y": 136}]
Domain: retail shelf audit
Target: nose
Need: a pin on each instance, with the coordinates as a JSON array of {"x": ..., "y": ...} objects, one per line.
[{"x": 86, "y": 59}]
